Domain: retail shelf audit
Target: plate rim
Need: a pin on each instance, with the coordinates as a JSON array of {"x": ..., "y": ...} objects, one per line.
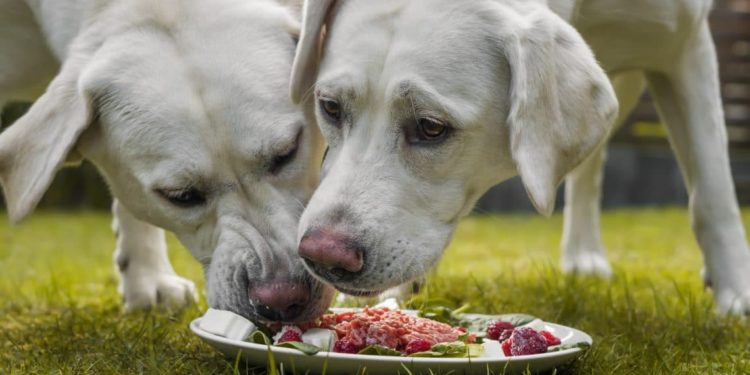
[{"x": 245, "y": 345}]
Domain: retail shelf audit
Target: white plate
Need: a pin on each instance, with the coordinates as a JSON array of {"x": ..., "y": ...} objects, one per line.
[{"x": 331, "y": 363}]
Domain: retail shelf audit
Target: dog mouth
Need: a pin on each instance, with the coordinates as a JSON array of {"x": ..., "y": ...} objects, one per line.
[{"x": 358, "y": 293}]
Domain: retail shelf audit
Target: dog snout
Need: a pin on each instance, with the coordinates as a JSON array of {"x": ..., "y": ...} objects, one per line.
[
  {"x": 280, "y": 301},
  {"x": 331, "y": 253}
]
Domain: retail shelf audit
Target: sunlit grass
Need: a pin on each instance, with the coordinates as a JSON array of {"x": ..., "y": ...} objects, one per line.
[{"x": 60, "y": 311}]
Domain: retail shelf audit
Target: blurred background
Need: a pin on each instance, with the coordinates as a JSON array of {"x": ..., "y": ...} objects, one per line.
[{"x": 640, "y": 169}]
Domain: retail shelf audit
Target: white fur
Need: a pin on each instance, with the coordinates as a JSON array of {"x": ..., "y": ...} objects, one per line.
[
  {"x": 518, "y": 82},
  {"x": 166, "y": 95}
]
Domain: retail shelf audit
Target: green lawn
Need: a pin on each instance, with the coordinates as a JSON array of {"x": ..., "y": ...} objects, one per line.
[{"x": 60, "y": 311}]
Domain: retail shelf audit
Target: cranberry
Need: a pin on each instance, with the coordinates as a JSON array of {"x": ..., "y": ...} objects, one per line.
[
  {"x": 418, "y": 345},
  {"x": 506, "y": 347},
  {"x": 347, "y": 346},
  {"x": 551, "y": 339},
  {"x": 496, "y": 329},
  {"x": 505, "y": 335},
  {"x": 525, "y": 341},
  {"x": 290, "y": 335}
]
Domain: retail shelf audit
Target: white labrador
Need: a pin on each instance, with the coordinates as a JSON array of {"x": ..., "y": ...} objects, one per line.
[
  {"x": 426, "y": 104},
  {"x": 183, "y": 107}
]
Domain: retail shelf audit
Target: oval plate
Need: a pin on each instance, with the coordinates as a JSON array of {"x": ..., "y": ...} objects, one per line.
[{"x": 294, "y": 361}]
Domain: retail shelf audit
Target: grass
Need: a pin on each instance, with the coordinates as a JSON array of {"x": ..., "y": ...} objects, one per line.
[{"x": 60, "y": 311}]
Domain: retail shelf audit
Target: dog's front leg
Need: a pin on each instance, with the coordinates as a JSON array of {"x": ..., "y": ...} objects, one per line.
[
  {"x": 688, "y": 97},
  {"x": 582, "y": 248},
  {"x": 147, "y": 278}
]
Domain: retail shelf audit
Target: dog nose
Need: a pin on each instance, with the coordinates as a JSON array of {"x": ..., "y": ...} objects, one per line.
[
  {"x": 332, "y": 251},
  {"x": 280, "y": 301}
]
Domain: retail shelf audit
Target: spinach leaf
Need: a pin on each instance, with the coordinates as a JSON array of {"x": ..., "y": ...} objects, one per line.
[
  {"x": 456, "y": 349},
  {"x": 306, "y": 348}
]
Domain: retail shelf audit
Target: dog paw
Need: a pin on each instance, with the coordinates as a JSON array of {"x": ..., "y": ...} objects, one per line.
[
  {"x": 731, "y": 291},
  {"x": 733, "y": 302},
  {"x": 163, "y": 290},
  {"x": 587, "y": 264}
]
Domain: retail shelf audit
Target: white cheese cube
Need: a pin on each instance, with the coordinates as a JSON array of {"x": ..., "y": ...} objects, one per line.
[
  {"x": 322, "y": 338},
  {"x": 492, "y": 349},
  {"x": 226, "y": 324}
]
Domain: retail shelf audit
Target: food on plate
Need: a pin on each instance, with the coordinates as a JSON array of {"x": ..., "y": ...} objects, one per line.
[
  {"x": 322, "y": 338},
  {"x": 226, "y": 324},
  {"x": 385, "y": 331},
  {"x": 498, "y": 329},
  {"x": 289, "y": 334},
  {"x": 552, "y": 340},
  {"x": 392, "y": 329},
  {"x": 526, "y": 340}
]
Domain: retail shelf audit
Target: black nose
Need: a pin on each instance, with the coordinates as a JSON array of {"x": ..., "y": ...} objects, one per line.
[{"x": 280, "y": 301}]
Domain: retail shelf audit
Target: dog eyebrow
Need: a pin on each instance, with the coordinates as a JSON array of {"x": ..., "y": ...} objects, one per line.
[
  {"x": 340, "y": 86},
  {"x": 424, "y": 102}
]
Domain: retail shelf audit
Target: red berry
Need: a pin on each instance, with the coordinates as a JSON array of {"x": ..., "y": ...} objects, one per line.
[
  {"x": 505, "y": 335},
  {"x": 290, "y": 335},
  {"x": 506, "y": 347},
  {"x": 346, "y": 346},
  {"x": 418, "y": 345},
  {"x": 525, "y": 341},
  {"x": 551, "y": 339},
  {"x": 496, "y": 328}
]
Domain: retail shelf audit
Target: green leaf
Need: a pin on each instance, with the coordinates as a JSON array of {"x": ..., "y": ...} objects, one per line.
[
  {"x": 380, "y": 350},
  {"x": 479, "y": 323},
  {"x": 442, "y": 313},
  {"x": 258, "y": 337},
  {"x": 516, "y": 319},
  {"x": 456, "y": 349},
  {"x": 264, "y": 328},
  {"x": 578, "y": 345},
  {"x": 306, "y": 348}
]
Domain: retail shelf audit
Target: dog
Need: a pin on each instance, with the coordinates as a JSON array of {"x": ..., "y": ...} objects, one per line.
[
  {"x": 183, "y": 107},
  {"x": 426, "y": 104}
]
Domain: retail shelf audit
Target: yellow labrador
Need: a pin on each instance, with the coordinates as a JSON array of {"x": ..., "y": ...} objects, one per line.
[
  {"x": 183, "y": 107},
  {"x": 426, "y": 104}
]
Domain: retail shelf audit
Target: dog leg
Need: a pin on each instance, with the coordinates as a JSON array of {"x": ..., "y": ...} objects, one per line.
[
  {"x": 582, "y": 248},
  {"x": 147, "y": 278},
  {"x": 688, "y": 97}
]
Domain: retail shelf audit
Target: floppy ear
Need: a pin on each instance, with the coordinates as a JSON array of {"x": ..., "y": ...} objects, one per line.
[
  {"x": 37, "y": 145},
  {"x": 307, "y": 58},
  {"x": 562, "y": 105}
]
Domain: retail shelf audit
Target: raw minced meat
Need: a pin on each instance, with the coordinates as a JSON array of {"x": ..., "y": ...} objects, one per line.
[{"x": 390, "y": 328}]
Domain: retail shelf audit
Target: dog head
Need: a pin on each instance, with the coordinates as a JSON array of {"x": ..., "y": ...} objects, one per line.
[
  {"x": 425, "y": 105},
  {"x": 184, "y": 110}
]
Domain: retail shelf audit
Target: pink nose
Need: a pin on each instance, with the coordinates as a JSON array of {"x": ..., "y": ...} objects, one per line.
[
  {"x": 280, "y": 301},
  {"x": 331, "y": 250}
]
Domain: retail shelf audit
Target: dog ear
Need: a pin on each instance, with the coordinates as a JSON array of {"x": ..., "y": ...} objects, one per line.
[
  {"x": 562, "y": 105},
  {"x": 38, "y": 143},
  {"x": 307, "y": 58}
]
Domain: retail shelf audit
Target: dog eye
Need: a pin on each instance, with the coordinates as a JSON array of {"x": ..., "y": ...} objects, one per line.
[
  {"x": 430, "y": 130},
  {"x": 280, "y": 161},
  {"x": 331, "y": 108},
  {"x": 184, "y": 198}
]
